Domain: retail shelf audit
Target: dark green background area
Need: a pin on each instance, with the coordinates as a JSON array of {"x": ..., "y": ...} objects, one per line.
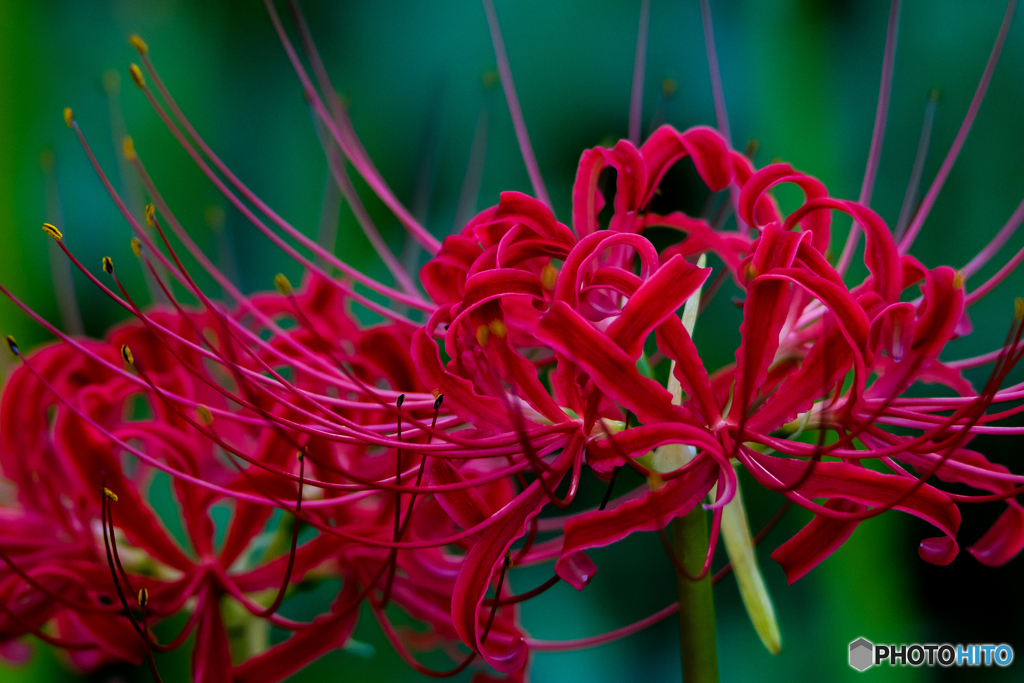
[{"x": 800, "y": 76}]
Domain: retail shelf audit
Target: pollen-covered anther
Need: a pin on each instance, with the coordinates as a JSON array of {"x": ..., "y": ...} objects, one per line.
[
  {"x": 143, "y": 597},
  {"x": 1018, "y": 309},
  {"x": 69, "y": 117},
  {"x": 655, "y": 481},
  {"x": 111, "y": 82},
  {"x": 129, "y": 148},
  {"x": 138, "y": 43},
  {"x": 204, "y": 414},
  {"x": 126, "y": 354},
  {"x": 498, "y": 328},
  {"x": 136, "y": 246},
  {"x": 548, "y": 277},
  {"x": 282, "y": 284},
  {"x": 669, "y": 86},
  {"x": 438, "y": 400},
  {"x": 108, "y": 265},
  {"x": 12, "y": 345},
  {"x": 109, "y": 494},
  {"x": 150, "y": 215},
  {"x": 401, "y": 400},
  {"x": 958, "y": 280},
  {"x": 750, "y": 151},
  {"x": 482, "y": 335},
  {"x": 490, "y": 78},
  {"x": 51, "y": 230},
  {"x": 137, "y": 78}
]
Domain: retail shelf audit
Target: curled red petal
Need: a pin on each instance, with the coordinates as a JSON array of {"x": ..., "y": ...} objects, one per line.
[{"x": 651, "y": 512}]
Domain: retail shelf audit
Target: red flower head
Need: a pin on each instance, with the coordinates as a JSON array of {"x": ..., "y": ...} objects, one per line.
[{"x": 420, "y": 455}]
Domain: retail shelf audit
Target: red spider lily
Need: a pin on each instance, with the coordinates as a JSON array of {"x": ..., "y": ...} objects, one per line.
[{"x": 542, "y": 326}]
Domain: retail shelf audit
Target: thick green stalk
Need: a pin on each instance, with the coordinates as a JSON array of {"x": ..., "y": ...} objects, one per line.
[
  {"x": 690, "y": 542},
  {"x": 696, "y": 601}
]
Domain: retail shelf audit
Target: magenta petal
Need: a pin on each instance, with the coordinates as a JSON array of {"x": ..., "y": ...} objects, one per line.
[
  {"x": 649, "y": 513},
  {"x": 656, "y": 299},
  {"x": 466, "y": 507},
  {"x": 1003, "y": 540},
  {"x": 940, "y": 550},
  {"x": 330, "y": 631},
  {"x": 576, "y": 569},
  {"x": 486, "y": 412},
  {"x": 483, "y": 560},
  {"x": 211, "y": 659},
  {"x": 609, "y": 366},
  {"x": 815, "y": 542}
]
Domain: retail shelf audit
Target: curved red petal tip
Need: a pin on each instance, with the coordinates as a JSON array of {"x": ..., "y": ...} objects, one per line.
[
  {"x": 513, "y": 658},
  {"x": 576, "y": 569},
  {"x": 941, "y": 550},
  {"x": 1003, "y": 540}
]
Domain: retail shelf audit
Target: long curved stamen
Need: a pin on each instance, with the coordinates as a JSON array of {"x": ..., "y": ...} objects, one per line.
[
  {"x": 398, "y": 505},
  {"x": 279, "y": 598},
  {"x": 513, "y": 104},
  {"x": 993, "y": 247},
  {"x": 107, "y": 521},
  {"x": 877, "y": 135},
  {"x": 412, "y": 301},
  {"x": 350, "y": 145},
  {"x": 636, "y": 99},
  {"x": 961, "y": 136},
  {"x": 60, "y": 270},
  {"x": 910, "y": 200},
  {"x": 470, "y": 192}
]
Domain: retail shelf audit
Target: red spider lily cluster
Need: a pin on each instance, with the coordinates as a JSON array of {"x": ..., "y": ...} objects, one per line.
[{"x": 420, "y": 455}]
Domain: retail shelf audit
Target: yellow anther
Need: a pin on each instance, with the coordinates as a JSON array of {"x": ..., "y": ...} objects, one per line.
[
  {"x": 143, "y": 597},
  {"x": 548, "y": 277},
  {"x": 751, "y": 149},
  {"x": 47, "y": 160},
  {"x": 138, "y": 43},
  {"x": 669, "y": 86},
  {"x": 108, "y": 265},
  {"x": 136, "y": 247},
  {"x": 435, "y": 393},
  {"x": 109, "y": 494},
  {"x": 282, "y": 285},
  {"x": 655, "y": 481},
  {"x": 51, "y": 230},
  {"x": 958, "y": 280},
  {"x": 482, "y": 335},
  {"x": 150, "y": 215},
  {"x": 1018, "y": 309},
  {"x": 69, "y": 117},
  {"x": 214, "y": 216},
  {"x": 129, "y": 148},
  {"x": 111, "y": 81},
  {"x": 498, "y": 328},
  {"x": 136, "y": 73},
  {"x": 490, "y": 78},
  {"x": 204, "y": 415},
  {"x": 126, "y": 354},
  {"x": 12, "y": 345}
]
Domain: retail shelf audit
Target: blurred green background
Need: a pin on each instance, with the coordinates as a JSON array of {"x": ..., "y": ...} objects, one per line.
[{"x": 800, "y": 76}]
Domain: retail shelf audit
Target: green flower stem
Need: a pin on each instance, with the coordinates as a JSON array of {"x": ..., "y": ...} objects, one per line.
[
  {"x": 696, "y": 601},
  {"x": 697, "y": 646}
]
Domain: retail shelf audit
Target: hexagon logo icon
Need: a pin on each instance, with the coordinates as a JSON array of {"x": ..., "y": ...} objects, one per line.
[{"x": 861, "y": 654}]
